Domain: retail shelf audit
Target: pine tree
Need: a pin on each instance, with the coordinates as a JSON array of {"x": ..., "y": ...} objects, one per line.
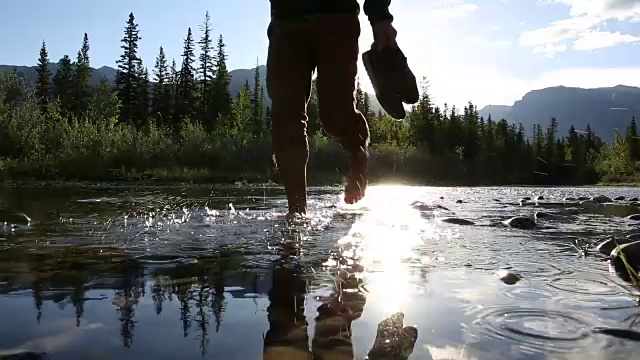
[
  {"x": 175, "y": 75},
  {"x": 242, "y": 111},
  {"x": 206, "y": 69},
  {"x": 63, "y": 85},
  {"x": 471, "y": 135},
  {"x": 127, "y": 77},
  {"x": 267, "y": 118},
  {"x": 104, "y": 104},
  {"x": 552, "y": 131},
  {"x": 633, "y": 143},
  {"x": 43, "y": 86},
  {"x": 81, "y": 77},
  {"x": 161, "y": 94},
  {"x": 359, "y": 96},
  {"x": 142, "y": 111},
  {"x": 223, "y": 101},
  {"x": 366, "y": 106},
  {"x": 256, "y": 103},
  {"x": 576, "y": 154},
  {"x": 186, "y": 92}
]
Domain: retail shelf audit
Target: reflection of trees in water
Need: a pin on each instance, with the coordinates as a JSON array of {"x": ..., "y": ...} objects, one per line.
[
  {"x": 36, "y": 291},
  {"x": 55, "y": 277},
  {"x": 199, "y": 290},
  {"x": 130, "y": 292},
  {"x": 64, "y": 275}
]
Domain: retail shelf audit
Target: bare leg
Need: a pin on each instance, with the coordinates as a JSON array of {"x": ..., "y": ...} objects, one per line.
[
  {"x": 337, "y": 70},
  {"x": 290, "y": 65}
]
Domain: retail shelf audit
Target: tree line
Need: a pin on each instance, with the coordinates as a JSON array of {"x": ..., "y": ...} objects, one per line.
[{"x": 182, "y": 122}]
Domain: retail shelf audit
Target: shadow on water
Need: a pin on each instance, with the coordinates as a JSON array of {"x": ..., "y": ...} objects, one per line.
[{"x": 121, "y": 272}]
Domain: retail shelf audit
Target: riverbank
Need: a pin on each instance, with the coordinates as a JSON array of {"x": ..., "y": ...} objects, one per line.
[
  {"x": 26, "y": 174},
  {"x": 31, "y": 174},
  {"x": 626, "y": 181},
  {"x": 21, "y": 173},
  {"x": 619, "y": 184}
]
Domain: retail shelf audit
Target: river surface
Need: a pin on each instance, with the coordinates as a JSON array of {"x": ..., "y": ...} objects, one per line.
[{"x": 121, "y": 272}]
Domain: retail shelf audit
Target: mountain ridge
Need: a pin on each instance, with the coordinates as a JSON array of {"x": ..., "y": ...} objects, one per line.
[{"x": 604, "y": 109}]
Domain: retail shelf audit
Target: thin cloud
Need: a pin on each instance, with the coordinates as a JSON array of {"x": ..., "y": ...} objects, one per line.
[
  {"x": 582, "y": 29},
  {"x": 455, "y": 11}
]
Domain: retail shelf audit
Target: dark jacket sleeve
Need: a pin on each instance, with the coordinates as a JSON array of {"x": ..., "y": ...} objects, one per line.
[{"x": 377, "y": 10}]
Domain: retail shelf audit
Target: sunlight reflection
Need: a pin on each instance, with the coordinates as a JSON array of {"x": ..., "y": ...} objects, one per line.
[
  {"x": 448, "y": 352},
  {"x": 385, "y": 235}
]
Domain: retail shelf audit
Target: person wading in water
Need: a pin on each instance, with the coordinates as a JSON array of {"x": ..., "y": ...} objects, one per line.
[{"x": 305, "y": 35}]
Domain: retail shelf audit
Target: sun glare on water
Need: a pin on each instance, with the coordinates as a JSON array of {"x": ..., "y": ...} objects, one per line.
[{"x": 386, "y": 234}]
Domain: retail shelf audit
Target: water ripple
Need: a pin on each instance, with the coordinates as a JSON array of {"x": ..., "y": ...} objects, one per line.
[
  {"x": 583, "y": 285},
  {"x": 536, "y": 330},
  {"x": 525, "y": 293}
]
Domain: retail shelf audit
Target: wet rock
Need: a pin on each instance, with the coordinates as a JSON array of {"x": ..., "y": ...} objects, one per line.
[
  {"x": 583, "y": 198},
  {"x": 393, "y": 340},
  {"x": 631, "y": 252},
  {"x": 20, "y": 354},
  {"x": 419, "y": 205},
  {"x": 496, "y": 200},
  {"x": 634, "y": 217},
  {"x": 607, "y": 246},
  {"x": 542, "y": 215},
  {"x": 521, "y": 222},
  {"x": 456, "y": 221},
  {"x": 634, "y": 203},
  {"x": 459, "y": 201},
  {"x": 8, "y": 218},
  {"x": 589, "y": 203},
  {"x": 602, "y": 199},
  {"x": 619, "y": 198},
  {"x": 569, "y": 199},
  {"x": 634, "y": 199},
  {"x": 526, "y": 198},
  {"x": 507, "y": 277},
  {"x": 625, "y": 334},
  {"x": 540, "y": 198}
]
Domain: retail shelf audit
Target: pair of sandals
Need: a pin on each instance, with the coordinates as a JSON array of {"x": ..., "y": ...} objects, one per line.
[{"x": 393, "y": 81}]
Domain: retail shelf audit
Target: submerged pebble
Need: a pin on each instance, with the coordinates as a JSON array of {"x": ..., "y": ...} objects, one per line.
[
  {"x": 456, "y": 221},
  {"x": 508, "y": 277}
]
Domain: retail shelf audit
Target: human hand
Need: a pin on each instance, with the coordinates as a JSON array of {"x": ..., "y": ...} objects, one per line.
[{"x": 384, "y": 35}]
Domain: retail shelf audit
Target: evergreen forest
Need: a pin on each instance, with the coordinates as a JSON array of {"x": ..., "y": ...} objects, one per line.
[{"x": 177, "y": 121}]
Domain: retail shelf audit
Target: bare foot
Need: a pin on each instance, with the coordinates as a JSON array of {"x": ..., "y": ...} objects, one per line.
[{"x": 358, "y": 177}]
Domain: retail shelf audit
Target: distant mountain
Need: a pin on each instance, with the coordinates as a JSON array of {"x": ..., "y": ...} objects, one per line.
[
  {"x": 497, "y": 112},
  {"x": 605, "y": 109},
  {"x": 238, "y": 78}
]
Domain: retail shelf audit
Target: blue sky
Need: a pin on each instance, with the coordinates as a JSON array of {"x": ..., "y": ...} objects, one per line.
[{"x": 486, "y": 51}]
